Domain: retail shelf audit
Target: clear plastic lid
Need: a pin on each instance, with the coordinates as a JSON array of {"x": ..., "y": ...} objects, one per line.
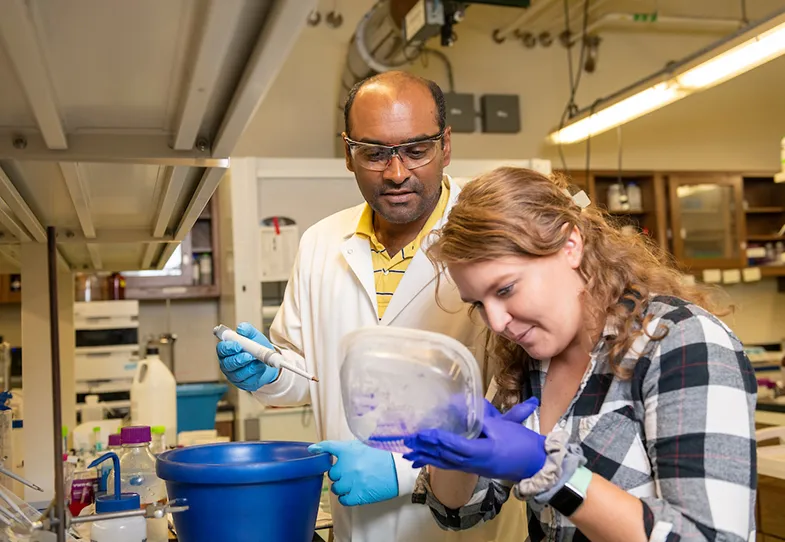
[{"x": 396, "y": 382}]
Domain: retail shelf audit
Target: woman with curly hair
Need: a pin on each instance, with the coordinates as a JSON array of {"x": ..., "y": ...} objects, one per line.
[{"x": 628, "y": 405}]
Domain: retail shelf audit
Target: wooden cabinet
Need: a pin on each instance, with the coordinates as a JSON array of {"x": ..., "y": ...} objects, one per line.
[
  {"x": 650, "y": 218},
  {"x": 186, "y": 275},
  {"x": 764, "y": 211},
  {"x": 770, "y": 506},
  {"x": 10, "y": 288},
  {"x": 707, "y": 220}
]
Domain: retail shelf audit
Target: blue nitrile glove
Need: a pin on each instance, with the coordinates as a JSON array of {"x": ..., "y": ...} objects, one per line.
[
  {"x": 506, "y": 450},
  {"x": 361, "y": 474},
  {"x": 241, "y": 368}
]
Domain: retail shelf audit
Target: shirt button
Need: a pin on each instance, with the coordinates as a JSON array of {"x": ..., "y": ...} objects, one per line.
[
  {"x": 385, "y": 271},
  {"x": 349, "y": 251}
]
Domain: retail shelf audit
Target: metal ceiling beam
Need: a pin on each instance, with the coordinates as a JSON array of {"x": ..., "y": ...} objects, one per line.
[
  {"x": 7, "y": 219},
  {"x": 221, "y": 20},
  {"x": 19, "y": 35},
  {"x": 73, "y": 176},
  {"x": 166, "y": 254},
  {"x": 95, "y": 256},
  {"x": 103, "y": 237},
  {"x": 64, "y": 264},
  {"x": 106, "y": 148},
  {"x": 10, "y": 257},
  {"x": 204, "y": 191},
  {"x": 173, "y": 187},
  {"x": 19, "y": 207},
  {"x": 149, "y": 254},
  {"x": 281, "y": 30}
]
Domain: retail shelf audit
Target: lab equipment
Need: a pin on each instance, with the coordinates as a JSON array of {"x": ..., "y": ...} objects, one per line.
[
  {"x": 107, "y": 351},
  {"x": 137, "y": 475},
  {"x": 6, "y": 436},
  {"x": 197, "y": 406},
  {"x": 19, "y": 479},
  {"x": 82, "y": 495},
  {"x": 635, "y": 197},
  {"x": 158, "y": 446},
  {"x": 132, "y": 529},
  {"x": 262, "y": 353},
  {"x": 154, "y": 394},
  {"x": 507, "y": 450},
  {"x": 205, "y": 269},
  {"x": 116, "y": 286},
  {"x": 114, "y": 442},
  {"x": 92, "y": 411},
  {"x": 253, "y": 487},
  {"x": 166, "y": 349},
  {"x": 5, "y": 365},
  {"x": 396, "y": 382},
  {"x": 361, "y": 474}
]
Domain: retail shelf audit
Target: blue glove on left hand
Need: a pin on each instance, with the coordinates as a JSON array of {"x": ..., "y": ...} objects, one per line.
[
  {"x": 361, "y": 474},
  {"x": 506, "y": 450}
]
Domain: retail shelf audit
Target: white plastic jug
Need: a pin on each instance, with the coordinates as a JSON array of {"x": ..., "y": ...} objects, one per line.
[
  {"x": 154, "y": 395},
  {"x": 92, "y": 411}
]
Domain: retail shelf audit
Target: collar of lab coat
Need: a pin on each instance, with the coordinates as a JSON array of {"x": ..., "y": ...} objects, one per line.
[{"x": 420, "y": 273}]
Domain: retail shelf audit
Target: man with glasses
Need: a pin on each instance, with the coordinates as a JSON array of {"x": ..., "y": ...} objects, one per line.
[{"x": 361, "y": 267}]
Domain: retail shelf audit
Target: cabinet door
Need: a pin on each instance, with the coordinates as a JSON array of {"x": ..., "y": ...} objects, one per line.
[{"x": 707, "y": 217}]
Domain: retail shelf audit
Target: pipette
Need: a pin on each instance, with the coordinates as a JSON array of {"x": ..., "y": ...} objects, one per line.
[{"x": 260, "y": 352}]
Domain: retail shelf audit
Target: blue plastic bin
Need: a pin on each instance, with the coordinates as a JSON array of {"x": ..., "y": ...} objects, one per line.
[
  {"x": 197, "y": 405},
  {"x": 245, "y": 491}
]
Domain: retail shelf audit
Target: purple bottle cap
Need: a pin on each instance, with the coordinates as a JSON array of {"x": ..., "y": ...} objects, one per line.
[
  {"x": 136, "y": 435},
  {"x": 115, "y": 439}
]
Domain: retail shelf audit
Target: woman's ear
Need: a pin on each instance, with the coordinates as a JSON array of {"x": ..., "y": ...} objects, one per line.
[{"x": 573, "y": 248}]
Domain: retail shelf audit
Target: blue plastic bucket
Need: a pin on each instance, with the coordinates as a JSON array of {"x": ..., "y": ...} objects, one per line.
[
  {"x": 197, "y": 405},
  {"x": 245, "y": 491}
]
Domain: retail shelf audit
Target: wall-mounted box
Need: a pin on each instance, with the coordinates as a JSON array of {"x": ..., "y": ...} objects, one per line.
[
  {"x": 500, "y": 113},
  {"x": 461, "y": 113}
]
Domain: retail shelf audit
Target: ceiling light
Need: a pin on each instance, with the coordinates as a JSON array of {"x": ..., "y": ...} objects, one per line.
[{"x": 749, "y": 48}]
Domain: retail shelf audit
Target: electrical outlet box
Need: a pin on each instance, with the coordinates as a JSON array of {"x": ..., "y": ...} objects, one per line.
[
  {"x": 461, "y": 113},
  {"x": 501, "y": 113}
]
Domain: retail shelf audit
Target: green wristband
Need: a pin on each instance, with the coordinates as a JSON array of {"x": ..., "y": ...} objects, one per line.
[{"x": 580, "y": 480}]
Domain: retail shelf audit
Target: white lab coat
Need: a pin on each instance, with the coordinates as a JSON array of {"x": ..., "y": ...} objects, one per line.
[{"x": 330, "y": 293}]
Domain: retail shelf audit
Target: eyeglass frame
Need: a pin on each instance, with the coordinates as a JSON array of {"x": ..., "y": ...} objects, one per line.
[{"x": 394, "y": 148}]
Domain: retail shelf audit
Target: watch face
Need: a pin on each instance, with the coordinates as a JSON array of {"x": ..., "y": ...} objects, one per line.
[{"x": 566, "y": 501}]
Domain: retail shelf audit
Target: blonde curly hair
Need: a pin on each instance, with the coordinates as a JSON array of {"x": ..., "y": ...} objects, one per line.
[{"x": 519, "y": 212}]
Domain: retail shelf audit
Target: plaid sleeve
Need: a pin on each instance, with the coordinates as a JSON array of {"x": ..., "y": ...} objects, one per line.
[
  {"x": 698, "y": 392},
  {"x": 484, "y": 505}
]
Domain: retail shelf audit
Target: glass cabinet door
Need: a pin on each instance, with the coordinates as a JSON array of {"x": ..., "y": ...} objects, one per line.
[{"x": 707, "y": 217}]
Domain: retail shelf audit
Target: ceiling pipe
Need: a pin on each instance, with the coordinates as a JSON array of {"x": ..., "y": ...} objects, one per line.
[
  {"x": 528, "y": 15},
  {"x": 576, "y": 16},
  {"x": 659, "y": 23}
]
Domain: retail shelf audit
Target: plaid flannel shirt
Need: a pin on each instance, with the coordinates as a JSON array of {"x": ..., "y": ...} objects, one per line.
[{"x": 679, "y": 435}]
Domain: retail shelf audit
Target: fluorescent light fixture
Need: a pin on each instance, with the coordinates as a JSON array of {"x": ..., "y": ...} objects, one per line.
[{"x": 749, "y": 48}]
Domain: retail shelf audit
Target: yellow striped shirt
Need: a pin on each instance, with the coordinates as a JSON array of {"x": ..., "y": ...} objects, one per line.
[{"x": 388, "y": 271}]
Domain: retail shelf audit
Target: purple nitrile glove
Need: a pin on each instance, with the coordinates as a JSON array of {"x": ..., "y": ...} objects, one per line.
[{"x": 506, "y": 450}]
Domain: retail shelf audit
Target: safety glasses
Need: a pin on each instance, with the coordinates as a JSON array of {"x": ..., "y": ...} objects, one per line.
[{"x": 377, "y": 157}]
